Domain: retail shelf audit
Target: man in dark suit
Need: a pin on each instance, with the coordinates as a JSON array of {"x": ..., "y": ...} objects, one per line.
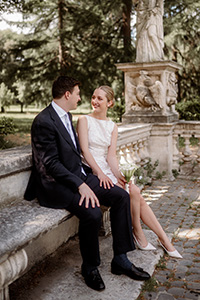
[{"x": 59, "y": 180}]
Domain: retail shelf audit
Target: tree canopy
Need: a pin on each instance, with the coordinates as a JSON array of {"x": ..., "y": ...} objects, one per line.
[
  {"x": 85, "y": 39},
  {"x": 182, "y": 39}
]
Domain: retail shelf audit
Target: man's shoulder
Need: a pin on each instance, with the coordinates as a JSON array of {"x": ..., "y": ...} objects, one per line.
[
  {"x": 43, "y": 115},
  {"x": 46, "y": 111}
]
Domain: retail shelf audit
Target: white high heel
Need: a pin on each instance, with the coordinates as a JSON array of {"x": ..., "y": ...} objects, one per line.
[
  {"x": 174, "y": 253},
  {"x": 148, "y": 247}
]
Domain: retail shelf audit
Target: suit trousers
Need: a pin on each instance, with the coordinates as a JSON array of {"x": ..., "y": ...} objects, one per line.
[{"x": 90, "y": 221}]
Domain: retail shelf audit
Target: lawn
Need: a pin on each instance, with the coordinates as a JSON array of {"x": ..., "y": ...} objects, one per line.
[{"x": 23, "y": 121}]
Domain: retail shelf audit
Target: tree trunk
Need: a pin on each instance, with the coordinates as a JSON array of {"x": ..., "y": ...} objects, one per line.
[
  {"x": 127, "y": 26},
  {"x": 61, "y": 35},
  {"x": 22, "y": 107}
]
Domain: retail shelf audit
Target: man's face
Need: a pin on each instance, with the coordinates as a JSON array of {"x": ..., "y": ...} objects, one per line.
[{"x": 74, "y": 97}]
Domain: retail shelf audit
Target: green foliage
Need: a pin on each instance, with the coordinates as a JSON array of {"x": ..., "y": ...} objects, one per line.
[
  {"x": 6, "y": 96},
  {"x": 85, "y": 39},
  {"x": 161, "y": 264},
  {"x": 193, "y": 141},
  {"x": 189, "y": 109},
  {"x": 182, "y": 39},
  {"x": 145, "y": 174},
  {"x": 23, "y": 125},
  {"x": 82, "y": 39},
  {"x": 6, "y": 127},
  {"x": 159, "y": 175},
  {"x": 175, "y": 173},
  {"x": 150, "y": 285}
]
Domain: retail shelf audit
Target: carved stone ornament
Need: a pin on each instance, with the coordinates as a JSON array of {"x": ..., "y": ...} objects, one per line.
[
  {"x": 10, "y": 271},
  {"x": 146, "y": 93}
]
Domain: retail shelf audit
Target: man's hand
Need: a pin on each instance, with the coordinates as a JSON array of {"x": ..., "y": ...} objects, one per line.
[{"x": 88, "y": 195}]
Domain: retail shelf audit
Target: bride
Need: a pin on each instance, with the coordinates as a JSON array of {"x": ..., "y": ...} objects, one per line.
[{"x": 98, "y": 140}]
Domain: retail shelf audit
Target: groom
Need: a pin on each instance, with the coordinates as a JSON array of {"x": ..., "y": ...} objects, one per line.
[{"x": 60, "y": 180}]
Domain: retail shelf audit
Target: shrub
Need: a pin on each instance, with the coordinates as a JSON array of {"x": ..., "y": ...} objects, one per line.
[
  {"x": 144, "y": 175},
  {"x": 6, "y": 127},
  {"x": 189, "y": 110}
]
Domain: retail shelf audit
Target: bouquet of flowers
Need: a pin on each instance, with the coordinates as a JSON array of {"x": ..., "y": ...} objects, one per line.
[{"x": 128, "y": 170}]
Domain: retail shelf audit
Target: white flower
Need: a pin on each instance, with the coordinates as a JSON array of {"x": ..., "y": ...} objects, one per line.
[{"x": 128, "y": 170}]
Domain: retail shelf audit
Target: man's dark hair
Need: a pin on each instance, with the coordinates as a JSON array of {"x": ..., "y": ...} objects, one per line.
[{"x": 63, "y": 84}]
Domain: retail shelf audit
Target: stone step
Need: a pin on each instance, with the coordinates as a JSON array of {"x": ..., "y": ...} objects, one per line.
[{"x": 59, "y": 277}]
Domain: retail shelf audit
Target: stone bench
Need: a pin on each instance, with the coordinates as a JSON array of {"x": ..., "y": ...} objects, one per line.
[{"x": 28, "y": 232}]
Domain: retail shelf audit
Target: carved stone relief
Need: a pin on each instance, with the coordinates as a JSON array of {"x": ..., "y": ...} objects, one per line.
[
  {"x": 145, "y": 93},
  {"x": 172, "y": 91}
]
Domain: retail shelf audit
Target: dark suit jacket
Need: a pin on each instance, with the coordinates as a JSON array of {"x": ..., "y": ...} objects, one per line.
[{"x": 56, "y": 173}]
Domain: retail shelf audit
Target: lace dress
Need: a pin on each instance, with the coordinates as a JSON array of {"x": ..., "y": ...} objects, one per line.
[{"x": 99, "y": 139}]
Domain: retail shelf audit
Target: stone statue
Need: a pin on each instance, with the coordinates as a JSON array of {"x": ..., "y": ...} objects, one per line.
[{"x": 149, "y": 25}]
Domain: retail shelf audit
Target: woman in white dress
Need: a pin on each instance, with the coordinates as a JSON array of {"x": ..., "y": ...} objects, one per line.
[{"x": 98, "y": 140}]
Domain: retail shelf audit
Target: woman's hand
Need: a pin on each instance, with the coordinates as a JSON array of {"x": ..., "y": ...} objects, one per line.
[
  {"x": 121, "y": 180},
  {"x": 105, "y": 181}
]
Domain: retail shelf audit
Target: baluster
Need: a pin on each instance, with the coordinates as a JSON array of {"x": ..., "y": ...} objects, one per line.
[
  {"x": 134, "y": 157},
  {"x": 122, "y": 159},
  {"x": 176, "y": 153},
  {"x": 198, "y": 151},
  {"x": 142, "y": 153},
  {"x": 129, "y": 154},
  {"x": 187, "y": 153},
  {"x": 137, "y": 158},
  {"x": 146, "y": 142}
]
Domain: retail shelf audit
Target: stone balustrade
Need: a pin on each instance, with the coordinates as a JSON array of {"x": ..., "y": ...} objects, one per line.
[
  {"x": 186, "y": 140},
  {"x": 132, "y": 145},
  {"x": 170, "y": 143}
]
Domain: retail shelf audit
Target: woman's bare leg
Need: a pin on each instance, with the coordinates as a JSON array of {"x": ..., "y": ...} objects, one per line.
[
  {"x": 135, "y": 215},
  {"x": 140, "y": 209}
]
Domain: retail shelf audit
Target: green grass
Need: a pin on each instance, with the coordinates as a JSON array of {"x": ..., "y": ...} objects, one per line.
[{"x": 23, "y": 121}]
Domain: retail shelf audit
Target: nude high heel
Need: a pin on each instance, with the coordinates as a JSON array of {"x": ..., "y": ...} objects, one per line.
[
  {"x": 174, "y": 253},
  {"x": 148, "y": 247}
]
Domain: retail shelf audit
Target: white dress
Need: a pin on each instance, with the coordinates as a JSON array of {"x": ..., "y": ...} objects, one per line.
[{"x": 99, "y": 139}]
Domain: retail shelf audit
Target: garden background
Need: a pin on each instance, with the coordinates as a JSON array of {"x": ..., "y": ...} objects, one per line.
[{"x": 85, "y": 39}]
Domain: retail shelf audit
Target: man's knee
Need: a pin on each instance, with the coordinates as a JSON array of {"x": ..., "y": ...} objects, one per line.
[{"x": 94, "y": 215}]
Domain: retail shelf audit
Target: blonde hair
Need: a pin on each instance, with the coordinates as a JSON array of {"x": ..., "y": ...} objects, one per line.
[{"x": 109, "y": 94}]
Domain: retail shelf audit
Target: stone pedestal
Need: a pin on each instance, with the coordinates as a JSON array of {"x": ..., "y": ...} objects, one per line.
[
  {"x": 161, "y": 146},
  {"x": 150, "y": 92}
]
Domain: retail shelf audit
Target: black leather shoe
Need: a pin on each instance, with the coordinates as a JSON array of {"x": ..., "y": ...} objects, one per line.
[
  {"x": 94, "y": 280},
  {"x": 134, "y": 272}
]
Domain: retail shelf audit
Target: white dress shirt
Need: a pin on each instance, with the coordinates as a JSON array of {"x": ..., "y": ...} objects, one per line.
[{"x": 65, "y": 119}]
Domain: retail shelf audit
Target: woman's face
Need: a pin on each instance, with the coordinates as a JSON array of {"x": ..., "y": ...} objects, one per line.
[{"x": 99, "y": 100}]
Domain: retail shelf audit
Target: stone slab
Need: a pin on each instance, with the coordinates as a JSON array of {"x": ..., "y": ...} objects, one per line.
[
  {"x": 15, "y": 160},
  {"x": 24, "y": 221},
  {"x": 13, "y": 187},
  {"x": 63, "y": 280},
  {"x": 148, "y": 117}
]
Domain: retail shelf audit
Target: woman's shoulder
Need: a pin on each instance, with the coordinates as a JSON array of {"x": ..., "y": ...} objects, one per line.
[{"x": 82, "y": 118}]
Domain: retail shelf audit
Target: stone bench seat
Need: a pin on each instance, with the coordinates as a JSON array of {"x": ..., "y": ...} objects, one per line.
[
  {"x": 29, "y": 233},
  {"x": 24, "y": 221}
]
